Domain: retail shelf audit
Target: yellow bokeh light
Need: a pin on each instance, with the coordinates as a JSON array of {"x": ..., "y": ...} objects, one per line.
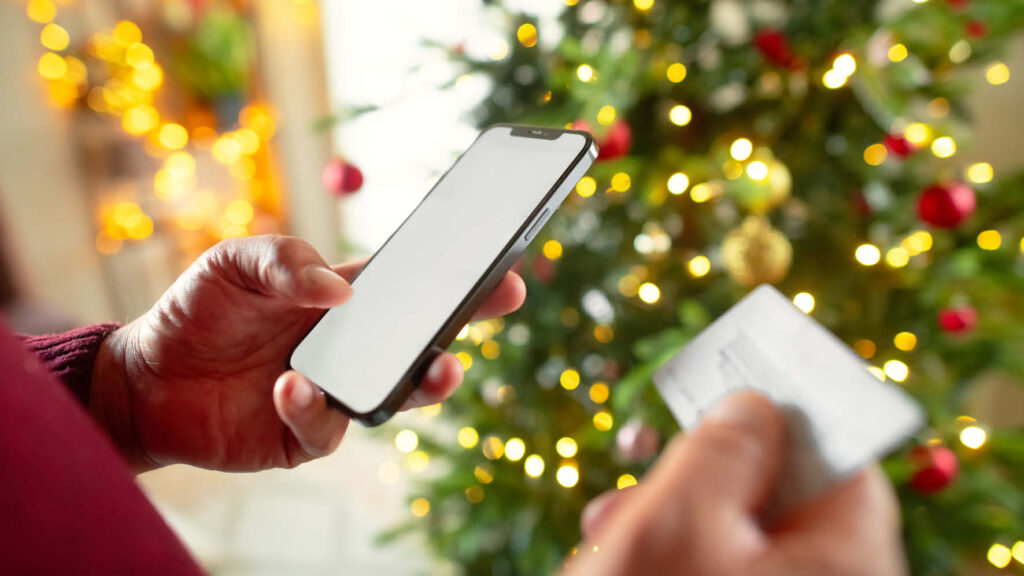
[
  {"x": 1018, "y": 551},
  {"x": 973, "y": 437},
  {"x": 980, "y": 173},
  {"x": 248, "y": 140},
  {"x": 586, "y": 187},
  {"x": 41, "y": 11},
  {"x": 239, "y": 212},
  {"x": 567, "y": 475},
  {"x": 53, "y": 37},
  {"x": 140, "y": 119},
  {"x": 515, "y": 449},
  {"x": 866, "y": 348},
  {"x": 173, "y": 136},
  {"x": 804, "y": 301},
  {"x": 474, "y": 494},
  {"x": 897, "y": 257},
  {"x": 418, "y": 461},
  {"x": 649, "y": 292},
  {"x": 868, "y": 254},
  {"x": 877, "y": 373},
  {"x": 676, "y": 72},
  {"x": 466, "y": 359},
  {"x": 420, "y": 507},
  {"x": 833, "y": 80},
  {"x": 493, "y": 448},
  {"x": 52, "y": 66},
  {"x": 938, "y": 107},
  {"x": 467, "y": 437},
  {"x": 490, "y": 350},
  {"x": 406, "y": 441},
  {"x": 678, "y": 183},
  {"x": 905, "y": 341},
  {"x": 566, "y": 447},
  {"x": 585, "y": 73},
  {"x": 552, "y": 250},
  {"x": 569, "y": 379},
  {"x": 534, "y": 466},
  {"x": 757, "y": 170},
  {"x": 599, "y": 393},
  {"x": 606, "y": 115},
  {"x": 139, "y": 55},
  {"x": 431, "y": 410},
  {"x": 680, "y": 115},
  {"x": 643, "y": 5},
  {"x": 698, "y": 266},
  {"x": 243, "y": 169},
  {"x": 999, "y": 556},
  {"x": 226, "y": 150},
  {"x": 944, "y": 147},
  {"x": 127, "y": 33},
  {"x": 621, "y": 182},
  {"x": 897, "y": 53},
  {"x": 918, "y": 133},
  {"x": 845, "y": 64},
  {"x": 875, "y": 154},
  {"x": 148, "y": 78},
  {"x": 896, "y": 370},
  {"x": 527, "y": 35},
  {"x": 625, "y": 481},
  {"x": 603, "y": 333},
  {"x": 603, "y": 420},
  {"x": 997, "y": 73},
  {"x": 741, "y": 149},
  {"x": 701, "y": 193},
  {"x": 990, "y": 240}
]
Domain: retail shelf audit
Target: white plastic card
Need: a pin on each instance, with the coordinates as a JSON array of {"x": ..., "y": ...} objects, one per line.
[{"x": 839, "y": 417}]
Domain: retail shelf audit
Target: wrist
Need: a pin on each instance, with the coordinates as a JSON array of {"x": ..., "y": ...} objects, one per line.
[{"x": 111, "y": 396}]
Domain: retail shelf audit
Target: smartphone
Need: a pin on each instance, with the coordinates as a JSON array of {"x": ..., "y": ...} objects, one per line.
[{"x": 424, "y": 284}]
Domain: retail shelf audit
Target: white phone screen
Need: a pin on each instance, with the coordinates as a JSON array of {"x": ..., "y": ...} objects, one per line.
[{"x": 359, "y": 351}]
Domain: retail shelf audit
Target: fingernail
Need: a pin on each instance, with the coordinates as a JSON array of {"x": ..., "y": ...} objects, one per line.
[
  {"x": 436, "y": 370},
  {"x": 744, "y": 410},
  {"x": 302, "y": 394},
  {"x": 320, "y": 277}
]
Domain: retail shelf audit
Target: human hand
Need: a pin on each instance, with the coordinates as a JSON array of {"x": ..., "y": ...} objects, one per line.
[
  {"x": 697, "y": 511},
  {"x": 200, "y": 378}
]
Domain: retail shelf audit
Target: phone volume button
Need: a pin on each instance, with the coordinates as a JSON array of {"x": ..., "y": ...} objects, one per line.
[{"x": 537, "y": 224}]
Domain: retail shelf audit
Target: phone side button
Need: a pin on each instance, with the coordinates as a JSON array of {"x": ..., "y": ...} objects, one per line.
[{"x": 537, "y": 224}]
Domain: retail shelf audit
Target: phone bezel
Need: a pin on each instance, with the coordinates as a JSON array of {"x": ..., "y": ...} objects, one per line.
[{"x": 489, "y": 280}]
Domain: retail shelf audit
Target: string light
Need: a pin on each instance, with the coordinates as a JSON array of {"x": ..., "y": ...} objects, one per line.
[
  {"x": 897, "y": 53},
  {"x": 406, "y": 441},
  {"x": 173, "y": 136},
  {"x": 866, "y": 348},
  {"x": 493, "y": 448},
  {"x": 585, "y": 73},
  {"x": 515, "y": 449},
  {"x": 643, "y": 5},
  {"x": 603, "y": 420},
  {"x": 606, "y": 115},
  {"x": 566, "y": 447},
  {"x": 52, "y": 66},
  {"x": 527, "y": 35},
  {"x": 499, "y": 50},
  {"x": 680, "y": 115},
  {"x": 599, "y": 393},
  {"x": 467, "y": 437},
  {"x": 586, "y": 187},
  {"x": 1018, "y": 551},
  {"x": 552, "y": 250},
  {"x": 997, "y": 73},
  {"x": 41, "y": 11},
  {"x": 490, "y": 349},
  {"x": 804, "y": 301},
  {"x": 418, "y": 461},
  {"x": 625, "y": 481},
  {"x": 603, "y": 333},
  {"x": 239, "y": 212},
  {"x": 875, "y": 154},
  {"x": 999, "y": 556},
  {"x": 980, "y": 173},
  {"x": 567, "y": 475},
  {"x": 534, "y": 466},
  {"x": 474, "y": 494},
  {"x": 896, "y": 370},
  {"x": 621, "y": 182},
  {"x": 701, "y": 193},
  {"x": 466, "y": 359},
  {"x": 918, "y": 133},
  {"x": 741, "y": 149},
  {"x": 698, "y": 266},
  {"x": 938, "y": 107},
  {"x": 676, "y": 72},
  {"x": 420, "y": 507},
  {"x": 431, "y": 410},
  {"x": 649, "y": 292},
  {"x": 973, "y": 437},
  {"x": 897, "y": 257},
  {"x": 757, "y": 170},
  {"x": 867, "y": 254},
  {"x": 678, "y": 183},
  {"x": 918, "y": 242},
  {"x": 54, "y": 37},
  {"x": 845, "y": 64},
  {"x": 877, "y": 373},
  {"x": 569, "y": 379},
  {"x": 990, "y": 240},
  {"x": 463, "y": 334},
  {"x": 944, "y": 147},
  {"x": 905, "y": 341}
]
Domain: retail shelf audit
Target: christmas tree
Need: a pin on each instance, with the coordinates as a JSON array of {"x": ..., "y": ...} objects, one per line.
[{"x": 818, "y": 146}]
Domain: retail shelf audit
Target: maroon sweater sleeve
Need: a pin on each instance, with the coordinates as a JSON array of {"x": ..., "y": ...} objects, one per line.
[{"x": 71, "y": 355}]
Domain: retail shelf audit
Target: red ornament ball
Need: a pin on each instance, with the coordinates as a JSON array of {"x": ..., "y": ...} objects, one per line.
[
  {"x": 637, "y": 442},
  {"x": 958, "y": 4},
  {"x": 342, "y": 178},
  {"x": 899, "y": 145},
  {"x": 976, "y": 29},
  {"x": 935, "y": 468},
  {"x": 774, "y": 47},
  {"x": 958, "y": 320},
  {"x": 616, "y": 143},
  {"x": 946, "y": 205},
  {"x": 543, "y": 269}
]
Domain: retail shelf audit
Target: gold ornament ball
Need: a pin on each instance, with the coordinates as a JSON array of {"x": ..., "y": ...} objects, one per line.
[{"x": 755, "y": 253}]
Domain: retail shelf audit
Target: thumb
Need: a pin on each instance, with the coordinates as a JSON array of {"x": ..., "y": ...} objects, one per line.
[
  {"x": 280, "y": 266},
  {"x": 732, "y": 460}
]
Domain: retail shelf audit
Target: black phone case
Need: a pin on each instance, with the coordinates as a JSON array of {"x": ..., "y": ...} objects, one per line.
[{"x": 502, "y": 263}]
